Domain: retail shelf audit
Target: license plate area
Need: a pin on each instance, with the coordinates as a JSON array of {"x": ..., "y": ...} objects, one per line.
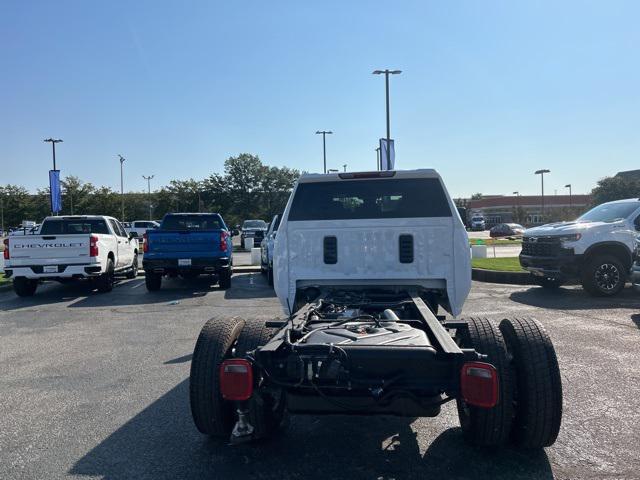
[
  {"x": 50, "y": 269},
  {"x": 184, "y": 262}
]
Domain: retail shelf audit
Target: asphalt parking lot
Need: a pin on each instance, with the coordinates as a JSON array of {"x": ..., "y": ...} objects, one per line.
[{"x": 96, "y": 386}]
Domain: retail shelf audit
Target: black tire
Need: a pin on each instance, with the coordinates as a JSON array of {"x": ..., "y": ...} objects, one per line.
[
  {"x": 153, "y": 281},
  {"x": 548, "y": 283},
  {"x": 603, "y": 276},
  {"x": 538, "y": 395},
  {"x": 266, "y": 410},
  {"x": 211, "y": 413},
  {"x": 270, "y": 275},
  {"x": 24, "y": 287},
  {"x": 105, "y": 281},
  {"x": 488, "y": 427},
  {"x": 133, "y": 271},
  {"x": 224, "y": 279}
]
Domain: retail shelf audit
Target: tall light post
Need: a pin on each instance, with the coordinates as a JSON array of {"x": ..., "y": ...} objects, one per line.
[
  {"x": 568, "y": 185},
  {"x": 387, "y": 72},
  {"x": 517, "y": 194},
  {"x": 53, "y": 142},
  {"x": 541, "y": 173},
  {"x": 122, "y": 159},
  {"x": 324, "y": 145},
  {"x": 378, "y": 166},
  {"x": 148, "y": 179},
  {"x": 2, "y": 213},
  {"x": 344, "y": 167}
]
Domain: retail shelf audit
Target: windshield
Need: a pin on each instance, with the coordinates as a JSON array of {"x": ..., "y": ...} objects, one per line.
[
  {"x": 191, "y": 222},
  {"x": 254, "y": 224},
  {"x": 70, "y": 227},
  {"x": 610, "y": 212}
]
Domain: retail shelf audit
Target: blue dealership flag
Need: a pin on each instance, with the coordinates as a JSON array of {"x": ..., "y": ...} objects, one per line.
[
  {"x": 387, "y": 160},
  {"x": 56, "y": 192}
]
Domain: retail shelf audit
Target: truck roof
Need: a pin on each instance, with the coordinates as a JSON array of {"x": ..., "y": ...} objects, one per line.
[
  {"x": 74, "y": 217},
  {"x": 382, "y": 174},
  {"x": 624, "y": 200}
]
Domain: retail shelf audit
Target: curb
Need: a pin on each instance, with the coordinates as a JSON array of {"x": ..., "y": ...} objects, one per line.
[
  {"x": 495, "y": 276},
  {"x": 5, "y": 288}
]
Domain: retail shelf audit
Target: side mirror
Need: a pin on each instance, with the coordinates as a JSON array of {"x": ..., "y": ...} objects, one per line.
[
  {"x": 133, "y": 235},
  {"x": 234, "y": 232},
  {"x": 636, "y": 223}
]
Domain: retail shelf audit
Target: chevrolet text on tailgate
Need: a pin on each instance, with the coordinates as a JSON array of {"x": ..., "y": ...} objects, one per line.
[
  {"x": 71, "y": 248},
  {"x": 188, "y": 244},
  {"x": 363, "y": 262}
]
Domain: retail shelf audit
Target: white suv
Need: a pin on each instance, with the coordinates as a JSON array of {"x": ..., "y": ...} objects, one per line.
[{"x": 596, "y": 249}]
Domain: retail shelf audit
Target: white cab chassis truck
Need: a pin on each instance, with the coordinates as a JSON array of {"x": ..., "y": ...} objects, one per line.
[
  {"x": 596, "y": 249},
  {"x": 87, "y": 247},
  {"x": 362, "y": 263}
]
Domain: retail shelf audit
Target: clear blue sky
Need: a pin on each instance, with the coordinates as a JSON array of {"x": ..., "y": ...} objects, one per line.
[{"x": 490, "y": 91}]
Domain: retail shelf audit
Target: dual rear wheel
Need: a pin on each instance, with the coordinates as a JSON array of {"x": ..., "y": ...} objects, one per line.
[{"x": 529, "y": 409}]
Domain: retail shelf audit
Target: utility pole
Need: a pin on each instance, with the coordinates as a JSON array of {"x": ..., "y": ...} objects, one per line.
[
  {"x": 541, "y": 173},
  {"x": 345, "y": 167},
  {"x": 387, "y": 72},
  {"x": 378, "y": 166},
  {"x": 148, "y": 179},
  {"x": 2, "y": 213},
  {"x": 324, "y": 145},
  {"x": 122, "y": 160},
  {"x": 568, "y": 185}
]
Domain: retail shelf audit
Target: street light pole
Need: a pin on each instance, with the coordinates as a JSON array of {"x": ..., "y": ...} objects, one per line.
[
  {"x": 541, "y": 173},
  {"x": 568, "y": 185},
  {"x": 53, "y": 142},
  {"x": 345, "y": 167},
  {"x": 387, "y": 72},
  {"x": 148, "y": 179},
  {"x": 122, "y": 159},
  {"x": 378, "y": 166},
  {"x": 517, "y": 194},
  {"x": 324, "y": 145}
]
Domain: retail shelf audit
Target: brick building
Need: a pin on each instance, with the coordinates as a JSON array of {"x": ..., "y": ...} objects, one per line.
[{"x": 527, "y": 209}]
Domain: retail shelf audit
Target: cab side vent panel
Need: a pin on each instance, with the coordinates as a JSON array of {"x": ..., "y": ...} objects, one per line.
[
  {"x": 405, "y": 248},
  {"x": 330, "y": 247}
]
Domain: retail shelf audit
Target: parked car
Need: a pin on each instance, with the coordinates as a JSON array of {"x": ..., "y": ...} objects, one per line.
[
  {"x": 139, "y": 227},
  {"x": 266, "y": 249},
  {"x": 188, "y": 244},
  {"x": 31, "y": 230},
  {"x": 596, "y": 249},
  {"x": 635, "y": 268},
  {"x": 477, "y": 223},
  {"x": 506, "y": 230},
  {"x": 87, "y": 247},
  {"x": 255, "y": 229},
  {"x": 361, "y": 335}
]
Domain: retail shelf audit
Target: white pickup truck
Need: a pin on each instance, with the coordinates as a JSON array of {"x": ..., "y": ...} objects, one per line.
[
  {"x": 596, "y": 249},
  {"x": 362, "y": 262},
  {"x": 69, "y": 248}
]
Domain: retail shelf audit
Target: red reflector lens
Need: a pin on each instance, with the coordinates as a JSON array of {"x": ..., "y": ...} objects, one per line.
[
  {"x": 145, "y": 243},
  {"x": 6, "y": 249},
  {"x": 479, "y": 384},
  {"x": 223, "y": 241},
  {"x": 236, "y": 379},
  {"x": 93, "y": 246}
]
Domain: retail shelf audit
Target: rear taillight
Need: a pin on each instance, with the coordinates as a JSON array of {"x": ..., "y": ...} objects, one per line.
[
  {"x": 479, "y": 384},
  {"x": 145, "y": 243},
  {"x": 224, "y": 236},
  {"x": 93, "y": 246},
  {"x": 236, "y": 379},
  {"x": 6, "y": 249}
]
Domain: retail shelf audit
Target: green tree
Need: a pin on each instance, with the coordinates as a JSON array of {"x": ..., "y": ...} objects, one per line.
[
  {"x": 77, "y": 195},
  {"x": 615, "y": 188},
  {"x": 476, "y": 196}
]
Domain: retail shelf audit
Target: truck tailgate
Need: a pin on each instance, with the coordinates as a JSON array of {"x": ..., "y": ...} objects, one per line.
[
  {"x": 184, "y": 243},
  {"x": 52, "y": 249}
]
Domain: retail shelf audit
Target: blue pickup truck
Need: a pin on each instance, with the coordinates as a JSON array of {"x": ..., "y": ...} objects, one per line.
[{"x": 188, "y": 244}]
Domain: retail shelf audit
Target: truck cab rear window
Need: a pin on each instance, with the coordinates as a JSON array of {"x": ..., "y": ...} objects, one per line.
[
  {"x": 367, "y": 199},
  {"x": 71, "y": 227},
  {"x": 191, "y": 222}
]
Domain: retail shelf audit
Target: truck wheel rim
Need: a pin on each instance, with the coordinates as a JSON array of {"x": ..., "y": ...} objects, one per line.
[{"x": 607, "y": 277}]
